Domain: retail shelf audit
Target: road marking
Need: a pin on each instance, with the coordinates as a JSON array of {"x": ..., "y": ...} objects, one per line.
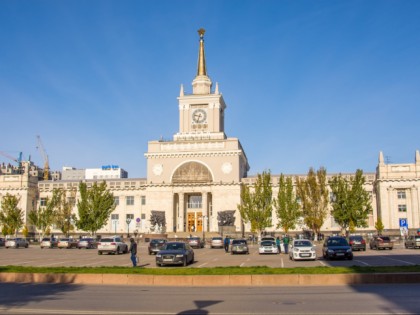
[
  {"x": 322, "y": 263},
  {"x": 282, "y": 262},
  {"x": 202, "y": 265},
  {"x": 241, "y": 265},
  {"x": 403, "y": 261},
  {"x": 365, "y": 263}
]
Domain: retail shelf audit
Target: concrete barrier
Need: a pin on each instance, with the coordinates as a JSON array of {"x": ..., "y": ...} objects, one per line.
[{"x": 211, "y": 280}]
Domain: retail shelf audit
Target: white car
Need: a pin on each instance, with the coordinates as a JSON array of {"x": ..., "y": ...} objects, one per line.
[
  {"x": 302, "y": 249},
  {"x": 268, "y": 247},
  {"x": 113, "y": 245},
  {"x": 16, "y": 243}
]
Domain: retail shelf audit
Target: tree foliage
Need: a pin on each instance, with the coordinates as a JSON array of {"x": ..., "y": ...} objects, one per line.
[
  {"x": 286, "y": 205},
  {"x": 94, "y": 206},
  {"x": 257, "y": 204},
  {"x": 44, "y": 217},
  {"x": 379, "y": 226},
  {"x": 11, "y": 216},
  {"x": 64, "y": 217},
  {"x": 313, "y": 194},
  {"x": 351, "y": 204}
]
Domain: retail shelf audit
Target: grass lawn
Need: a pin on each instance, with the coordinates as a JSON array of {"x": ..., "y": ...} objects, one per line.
[{"x": 261, "y": 270}]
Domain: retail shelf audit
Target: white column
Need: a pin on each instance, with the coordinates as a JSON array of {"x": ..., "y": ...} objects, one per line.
[
  {"x": 415, "y": 207},
  {"x": 181, "y": 218}
]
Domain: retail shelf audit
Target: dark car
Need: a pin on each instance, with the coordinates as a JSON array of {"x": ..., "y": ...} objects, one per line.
[
  {"x": 337, "y": 247},
  {"x": 87, "y": 243},
  {"x": 175, "y": 253},
  {"x": 412, "y": 241},
  {"x": 357, "y": 242},
  {"x": 381, "y": 242},
  {"x": 156, "y": 245},
  {"x": 239, "y": 247},
  {"x": 195, "y": 242},
  {"x": 2, "y": 241}
]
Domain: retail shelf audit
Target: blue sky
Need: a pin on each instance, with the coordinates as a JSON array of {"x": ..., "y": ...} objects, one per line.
[{"x": 307, "y": 83}]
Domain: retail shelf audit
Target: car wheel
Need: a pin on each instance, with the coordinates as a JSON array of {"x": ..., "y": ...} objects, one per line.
[
  {"x": 350, "y": 258},
  {"x": 117, "y": 252},
  {"x": 158, "y": 265},
  {"x": 192, "y": 260},
  {"x": 42, "y": 247},
  {"x": 27, "y": 245},
  {"x": 99, "y": 252},
  {"x": 184, "y": 263}
]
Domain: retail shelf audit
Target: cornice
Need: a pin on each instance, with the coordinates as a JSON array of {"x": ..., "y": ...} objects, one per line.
[{"x": 192, "y": 154}]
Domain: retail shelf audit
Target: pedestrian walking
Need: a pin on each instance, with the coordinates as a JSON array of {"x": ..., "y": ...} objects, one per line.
[
  {"x": 286, "y": 241},
  {"x": 278, "y": 242},
  {"x": 133, "y": 251},
  {"x": 226, "y": 243}
]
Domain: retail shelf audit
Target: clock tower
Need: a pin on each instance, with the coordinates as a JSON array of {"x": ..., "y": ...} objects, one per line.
[{"x": 201, "y": 114}]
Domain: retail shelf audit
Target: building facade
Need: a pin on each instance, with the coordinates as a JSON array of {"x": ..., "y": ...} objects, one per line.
[{"x": 194, "y": 181}]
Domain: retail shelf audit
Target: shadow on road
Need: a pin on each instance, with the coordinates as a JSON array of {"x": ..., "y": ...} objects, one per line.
[{"x": 199, "y": 310}]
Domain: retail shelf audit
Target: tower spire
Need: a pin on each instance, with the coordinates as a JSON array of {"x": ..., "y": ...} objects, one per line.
[
  {"x": 202, "y": 83},
  {"x": 201, "y": 67}
]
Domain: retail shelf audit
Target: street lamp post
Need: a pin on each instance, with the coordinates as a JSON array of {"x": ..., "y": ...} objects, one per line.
[
  {"x": 128, "y": 221},
  {"x": 204, "y": 228}
]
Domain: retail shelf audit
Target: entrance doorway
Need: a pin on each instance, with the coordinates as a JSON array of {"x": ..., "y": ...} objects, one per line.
[{"x": 195, "y": 222}]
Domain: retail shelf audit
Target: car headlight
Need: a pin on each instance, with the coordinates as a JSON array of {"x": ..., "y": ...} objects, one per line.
[
  {"x": 295, "y": 249},
  {"x": 158, "y": 255},
  {"x": 330, "y": 251},
  {"x": 312, "y": 249},
  {"x": 349, "y": 250},
  {"x": 179, "y": 255}
]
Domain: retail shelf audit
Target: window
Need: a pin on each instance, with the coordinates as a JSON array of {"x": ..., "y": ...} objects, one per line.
[
  {"x": 143, "y": 216},
  {"x": 114, "y": 216},
  {"x": 194, "y": 202},
  {"x": 143, "y": 200},
  {"x": 130, "y": 200},
  {"x": 402, "y": 208},
  {"x": 116, "y": 201},
  {"x": 43, "y": 202},
  {"x": 401, "y": 194}
]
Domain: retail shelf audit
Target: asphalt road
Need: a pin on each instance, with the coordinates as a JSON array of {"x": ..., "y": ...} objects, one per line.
[
  {"x": 205, "y": 257},
  {"x": 74, "y": 299}
]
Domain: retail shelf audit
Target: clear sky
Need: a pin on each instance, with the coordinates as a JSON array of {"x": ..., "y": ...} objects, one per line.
[{"x": 306, "y": 83}]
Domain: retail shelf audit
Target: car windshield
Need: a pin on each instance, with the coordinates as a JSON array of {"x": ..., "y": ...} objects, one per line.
[
  {"x": 356, "y": 238},
  {"x": 384, "y": 238},
  {"x": 174, "y": 246},
  {"x": 337, "y": 242},
  {"x": 107, "y": 240},
  {"x": 217, "y": 239},
  {"x": 302, "y": 244},
  {"x": 157, "y": 241},
  {"x": 64, "y": 240},
  {"x": 45, "y": 239},
  {"x": 267, "y": 243},
  {"x": 239, "y": 242}
]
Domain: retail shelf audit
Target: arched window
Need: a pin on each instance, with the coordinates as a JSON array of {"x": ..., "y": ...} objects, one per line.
[{"x": 192, "y": 172}]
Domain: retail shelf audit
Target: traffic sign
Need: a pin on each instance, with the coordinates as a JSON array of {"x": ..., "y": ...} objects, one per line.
[{"x": 404, "y": 223}]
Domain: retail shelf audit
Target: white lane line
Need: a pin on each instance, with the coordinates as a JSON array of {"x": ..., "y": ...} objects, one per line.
[
  {"x": 322, "y": 263},
  {"x": 282, "y": 263},
  {"x": 362, "y": 262},
  {"x": 241, "y": 265},
  {"x": 202, "y": 265},
  {"x": 403, "y": 261}
]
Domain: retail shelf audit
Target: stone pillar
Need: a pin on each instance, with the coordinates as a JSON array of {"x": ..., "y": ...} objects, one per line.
[
  {"x": 390, "y": 209},
  {"x": 181, "y": 213},
  {"x": 205, "y": 211},
  {"x": 415, "y": 207}
]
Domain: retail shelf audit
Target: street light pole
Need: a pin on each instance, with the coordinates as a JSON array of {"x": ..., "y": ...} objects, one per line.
[
  {"x": 204, "y": 228},
  {"x": 128, "y": 220}
]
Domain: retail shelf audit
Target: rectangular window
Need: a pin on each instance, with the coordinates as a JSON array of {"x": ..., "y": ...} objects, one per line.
[
  {"x": 143, "y": 216},
  {"x": 402, "y": 208},
  {"x": 116, "y": 201},
  {"x": 401, "y": 194},
  {"x": 114, "y": 216},
  {"x": 43, "y": 202},
  {"x": 130, "y": 200},
  {"x": 143, "y": 200},
  {"x": 194, "y": 202}
]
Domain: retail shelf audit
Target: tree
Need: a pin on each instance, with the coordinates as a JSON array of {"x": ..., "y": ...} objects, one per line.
[
  {"x": 379, "y": 226},
  {"x": 257, "y": 205},
  {"x": 44, "y": 217},
  {"x": 286, "y": 205},
  {"x": 11, "y": 216},
  {"x": 351, "y": 204},
  {"x": 63, "y": 208},
  {"x": 313, "y": 194},
  {"x": 94, "y": 206}
]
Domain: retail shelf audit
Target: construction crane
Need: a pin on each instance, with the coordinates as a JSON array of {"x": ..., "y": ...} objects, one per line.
[
  {"x": 44, "y": 154},
  {"x": 17, "y": 160}
]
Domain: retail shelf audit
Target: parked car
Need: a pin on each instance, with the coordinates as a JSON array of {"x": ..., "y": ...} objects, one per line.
[
  {"x": 48, "y": 242},
  {"x": 113, "y": 245},
  {"x": 216, "y": 242},
  {"x": 239, "y": 247},
  {"x": 88, "y": 243},
  {"x": 195, "y": 242},
  {"x": 357, "y": 242},
  {"x": 412, "y": 241},
  {"x": 156, "y": 245},
  {"x": 337, "y": 247},
  {"x": 16, "y": 243},
  {"x": 67, "y": 243},
  {"x": 175, "y": 253},
  {"x": 2, "y": 241},
  {"x": 381, "y": 242},
  {"x": 268, "y": 247},
  {"x": 302, "y": 249},
  {"x": 267, "y": 238}
]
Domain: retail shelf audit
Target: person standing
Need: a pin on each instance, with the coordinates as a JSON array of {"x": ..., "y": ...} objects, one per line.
[
  {"x": 278, "y": 244},
  {"x": 286, "y": 241},
  {"x": 133, "y": 251},
  {"x": 226, "y": 243}
]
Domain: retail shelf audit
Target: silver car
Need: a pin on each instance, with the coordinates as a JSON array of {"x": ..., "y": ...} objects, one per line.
[
  {"x": 216, "y": 242},
  {"x": 48, "y": 242},
  {"x": 16, "y": 243}
]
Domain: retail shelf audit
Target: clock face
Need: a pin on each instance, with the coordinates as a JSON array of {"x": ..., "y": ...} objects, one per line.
[
  {"x": 227, "y": 167},
  {"x": 199, "y": 116},
  {"x": 157, "y": 169}
]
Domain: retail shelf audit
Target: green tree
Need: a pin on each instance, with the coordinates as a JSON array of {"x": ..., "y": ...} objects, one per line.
[
  {"x": 11, "y": 216},
  {"x": 379, "y": 226},
  {"x": 94, "y": 206},
  {"x": 313, "y": 194},
  {"x": 257, "y": 205},
  {"x": 287, "y": 205},
  {"x": 44, "y": 217},
  {"x": 351, "y": 204},
  {"x": 63, "y": 208}
]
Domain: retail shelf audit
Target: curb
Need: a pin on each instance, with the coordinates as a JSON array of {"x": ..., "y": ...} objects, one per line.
[{"x": 211, "y": 280}]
